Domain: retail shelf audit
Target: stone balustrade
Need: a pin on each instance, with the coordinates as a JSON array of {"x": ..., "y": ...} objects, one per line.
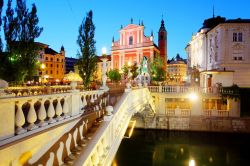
[
  {"x": 37, "y": 90},
  {"x": 182, "y": 89},
  {"x": 104, "y": 144},
  {"x": 24, "y": 115}
]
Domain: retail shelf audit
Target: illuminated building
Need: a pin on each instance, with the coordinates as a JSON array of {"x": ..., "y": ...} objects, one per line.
[
  {"x": 177, "y": 71},
  {"x": 221, "y": 52},
  {"x": 133, "y": 45},
  {"x": 54, "y": 64}
]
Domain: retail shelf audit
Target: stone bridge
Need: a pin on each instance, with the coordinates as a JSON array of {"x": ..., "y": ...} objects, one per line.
[{"x": 66, "y": 128}]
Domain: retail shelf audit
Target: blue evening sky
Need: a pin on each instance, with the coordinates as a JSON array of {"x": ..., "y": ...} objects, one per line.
[{"x": 61, "y": 19}]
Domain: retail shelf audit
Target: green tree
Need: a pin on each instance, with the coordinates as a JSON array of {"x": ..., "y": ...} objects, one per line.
[
  {"x": 1, "y": 9},
  {"x": 20, "y": 31},
  {"x": 157, "y": 69},
  {"x": 114, "y": 75},
  {"x": 87, "y": 62}
]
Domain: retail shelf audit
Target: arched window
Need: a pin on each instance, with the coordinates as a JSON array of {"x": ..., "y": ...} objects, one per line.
[{"x": 130, "y": 40}]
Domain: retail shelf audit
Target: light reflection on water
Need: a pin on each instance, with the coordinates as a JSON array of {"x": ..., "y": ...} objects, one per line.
[{"x": 158, "y": 147}]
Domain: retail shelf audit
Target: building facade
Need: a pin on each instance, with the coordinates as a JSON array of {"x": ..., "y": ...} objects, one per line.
[
  {"x": 133, "y": 46},
  {"x": 53, "y": 64},
  {"x": 221, "y": 47},
  {"x": 176, "y": 71}
]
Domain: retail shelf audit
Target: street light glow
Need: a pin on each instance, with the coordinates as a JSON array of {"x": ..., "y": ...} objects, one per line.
[
  {"x": 104, "y": 51},
  {"x": 191, "y": 162},
  {"x": 42, "y": 66},
  {"x": 193, "y": 96}
]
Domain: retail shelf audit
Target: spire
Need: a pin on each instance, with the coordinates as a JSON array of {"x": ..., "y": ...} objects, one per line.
[
  {"x": 162, "y": 28},
  {"x": 142, "y": 23},
  {"x": 152, "y": 34},
  {"x": 113, "y": 39},
  {"x": 121, "y": 27},
  {"x": 131, "y": 20},
  {"x": 139, "y": 22},
  {"x": 62, "y": 48}
]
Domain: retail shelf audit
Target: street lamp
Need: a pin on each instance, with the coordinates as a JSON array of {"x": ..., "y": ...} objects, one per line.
[
  {"x": 104, "y": 68},
  {"x": 42, "y": 69}
]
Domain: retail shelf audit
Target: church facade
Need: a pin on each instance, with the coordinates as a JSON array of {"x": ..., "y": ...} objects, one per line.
[{"x": 133, "y": 46}]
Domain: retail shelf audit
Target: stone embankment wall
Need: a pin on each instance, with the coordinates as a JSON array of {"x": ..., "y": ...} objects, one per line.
[{"x": 195, "y": 123}]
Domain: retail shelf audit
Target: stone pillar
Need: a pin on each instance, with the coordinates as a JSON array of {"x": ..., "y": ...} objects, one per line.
[
  {"x": 161, "y": 105},
  {"x": 74, "y": 104},
  {"x": 7, "y": 122},
  {"x": 104, "y": 75},
  {"x": 234, "y": 108}
]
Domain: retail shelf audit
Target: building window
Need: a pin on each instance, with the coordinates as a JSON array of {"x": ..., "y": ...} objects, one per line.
[
  {"x": 240, "y": 37},
  {"x": 57, "y": 72},
  {"x": 46, "y": 58},
  {"x": 51, "y": 65},
  {"x": 240, "y": 58},
  {"x": 130, "y": 40},
  {"x": 62, "y": 66},
  {"x": 57, "y": 59},
  {"x": 57, "y": 65},
  {"x": 46, "y": 64},
  {"x": 235, "y": 37},
  {"x": 51, "y": 59},
  {"x": 62, "y": 60},
  {"x": 46, "y": 72},
  {"x": 51, "y": 72}
]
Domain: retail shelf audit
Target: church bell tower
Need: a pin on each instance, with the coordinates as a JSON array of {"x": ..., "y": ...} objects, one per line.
[{"x": 162, "y": 41}]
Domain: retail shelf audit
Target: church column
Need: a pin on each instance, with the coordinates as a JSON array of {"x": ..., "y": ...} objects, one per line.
[
  {"x": 137, "y": 57},
  {"x": 137, "y": 37},
  {"x": 124, "y": 36},
  {"x": 112, "y": 57},
  {"x": 120, "y": 62},
  {"x": 141, "y": 37},
  {"x": 123, "y": 58},
  {"x": 151, "y": 54}
]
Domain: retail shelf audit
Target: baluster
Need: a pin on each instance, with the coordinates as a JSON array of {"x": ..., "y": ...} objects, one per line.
[
  {"x": 42, "y": 114},
  {"x": 51, "y": 112},
  {"x": 81, "y": 104},
  {"x": 100, "y": 150},
  {"x": 19, "y": 119},
  {"x": 69, "y": 145},
  {"x": 31, "y": 117},
  {"x": 65, "y": 107},
  {"x": 84, "y": 102},
  {"x": 92, "y": 99},
  {"x": 59, "y": 153},
  {"x": 58, "y": 109}
]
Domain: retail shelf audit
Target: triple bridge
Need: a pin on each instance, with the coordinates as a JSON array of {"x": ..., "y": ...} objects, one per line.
[{"x": 77, "y": 128}]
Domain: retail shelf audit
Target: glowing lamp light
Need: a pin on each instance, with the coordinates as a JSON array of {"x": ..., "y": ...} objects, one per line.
[
  {"x": 129, "y": 63},
  {"x": 191, "y": 163},
  {"x": 104, "y": 51},
  {"x": 193, "y": 96},
  {"x": 42, "y": 66}
]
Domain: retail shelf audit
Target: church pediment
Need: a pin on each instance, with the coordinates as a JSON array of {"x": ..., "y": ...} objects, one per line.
[{"x": 131, "y": 26}]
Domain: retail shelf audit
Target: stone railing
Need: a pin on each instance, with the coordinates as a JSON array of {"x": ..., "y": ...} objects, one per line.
[
  {"x": 36, "y": 90},
  {"x": 101, "y": 150},
  {"x": 216, "y": 113},
  {"x": 182, "y": 89},
  {"x": 22, "y": 116}
]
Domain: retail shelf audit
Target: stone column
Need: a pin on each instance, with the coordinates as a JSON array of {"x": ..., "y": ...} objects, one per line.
[
  {"x": 104, "y": 71},
  {"x": 161, "y": 107}
]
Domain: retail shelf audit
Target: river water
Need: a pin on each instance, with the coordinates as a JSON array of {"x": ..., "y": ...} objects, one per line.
[{"x": 174, "y": 148}]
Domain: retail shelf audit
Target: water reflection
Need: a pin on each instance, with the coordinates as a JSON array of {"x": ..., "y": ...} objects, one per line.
[{"x": 155, "y": 147}]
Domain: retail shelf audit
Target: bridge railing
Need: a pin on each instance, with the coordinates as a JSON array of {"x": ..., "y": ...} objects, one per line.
[
  {"x": 22, "y": 116},
  {"x": 183, "y": 89},
  {"x": 105, "y": 143}
]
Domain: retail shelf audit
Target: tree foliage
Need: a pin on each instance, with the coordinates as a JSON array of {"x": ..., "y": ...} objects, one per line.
[
  {"x": 1, "y": 9},
  {"x": 87, "y": 62},
  {"x": 157, "y": 69},
  {"x": 114, "y": 75},
  {"x": 20, "y": 30}
]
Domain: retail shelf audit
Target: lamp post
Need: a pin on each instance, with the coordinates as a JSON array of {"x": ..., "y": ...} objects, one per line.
[
  {"x": 104, "y": 69},
  {"x": 42, "y": 69},
  {"x": 128, "y": 84}
]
